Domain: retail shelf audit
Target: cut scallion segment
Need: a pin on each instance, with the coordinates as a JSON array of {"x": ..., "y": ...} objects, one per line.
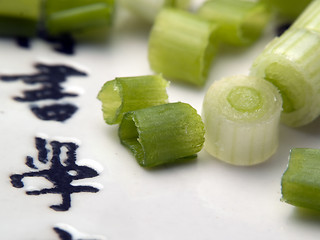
[
  {"x": 241, "y": 22},
  {"x": 182, "y": 46},
  {"x": 241, "y": 116},
  {"x": 126, "y": 94},
  {"x": 162, "y": 134},
  {"x": 78, "y": 17},
  {"x": 292, "y": 63},
  {"x": 310, "y": 18},
  {"x": 19, "y": 17},
  {"x": 148, "y": 9},
  {"x": 300, "y": 184}
]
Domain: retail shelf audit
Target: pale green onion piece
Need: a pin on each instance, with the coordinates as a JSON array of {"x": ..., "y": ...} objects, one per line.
[
  {"x": 241, "y": 116},
  {"x": 162, "y": 134},
  {"x": 292, "y": 63},
  {"x": 148, "y": 9},
  {"x": 241, "y": 22},
  {"x": 310, "y": 18},
  {"x": 78, "y": 18},
  {"x": 182, "y": 46},
  {"x": 290, "y": 9},
  {"x": 300, "y": 183},
  {"x": 126, "y": 94}
]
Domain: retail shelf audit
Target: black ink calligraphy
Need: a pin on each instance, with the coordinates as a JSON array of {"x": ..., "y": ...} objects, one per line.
[
  {"x": 64, "y": 44},
  {"x": 61, "y": 171},
  {"x": 50, "y": 77},
  {"x": 66, "y": 232}
]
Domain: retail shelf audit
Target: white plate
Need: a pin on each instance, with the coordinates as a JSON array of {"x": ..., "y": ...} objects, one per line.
[{"x": 205, "y": 199}]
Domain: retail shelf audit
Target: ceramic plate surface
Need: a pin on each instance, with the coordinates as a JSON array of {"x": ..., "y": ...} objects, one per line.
[{"x": 70, "y": 178}]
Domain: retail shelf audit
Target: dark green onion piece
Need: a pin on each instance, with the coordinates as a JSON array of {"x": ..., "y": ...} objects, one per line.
[
  {"x": 301, "y": 181},
  {"x": 19, "y": 17},
  {"x": 79, "y": 18},
  {"x": 126, "y": 94},
  {"x": 162, "y": 134},
  {"x": 182, "y": 46},
  {"x": 288, "y": 8}
]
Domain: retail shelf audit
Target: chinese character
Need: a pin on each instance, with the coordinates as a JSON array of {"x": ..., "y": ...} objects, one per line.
[
  {"x": 61, "y": 170},
  {"x": 50, "y": 78},
  {"x": 63, "y": 44},
  {"x": 67, "y": 232}
]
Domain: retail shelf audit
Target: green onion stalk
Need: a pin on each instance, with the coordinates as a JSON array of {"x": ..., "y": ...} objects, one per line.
[
  {"x": 182, "y": 46},
  {"x": 163, "y": 134},
  {"x": 240, "y": 22},
  {"x": 300, "y": 183},
  {"x": 126, "y": 94}
]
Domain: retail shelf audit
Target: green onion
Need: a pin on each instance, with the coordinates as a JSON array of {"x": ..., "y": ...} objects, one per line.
[
  {"x": 292, "y": 63},
  {"x": 241, "y": 116},
  {"x": 162, "y": 134},
  {"x": 78, "y": 17},
  {"x": 148, "y": 9},
  {"x": 288, "y": 8},
  {"x": 310, "y": 18},
  {"x": 19, "y": 17},
  {"x": 241, "y": 22},
  {"x": 300, "y": 184},
  {"x": 182, "y": 46},
  {"x": 126, "y": 94}
]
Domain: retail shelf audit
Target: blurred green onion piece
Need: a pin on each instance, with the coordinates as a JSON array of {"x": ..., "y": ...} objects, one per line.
[
  {"x": 126, "y": 94},
  {"x": 182, "y": 46},
  {"x": 148, "y": 9},
  {"x": 19, "y": 17},
  {"x": 241, "y": 22},
  {"x": 80, "y": 18},
  {"x": 290, "y": 9},
  {"x": 300, "y": 184},
  {"x": 162, "y": 134}
]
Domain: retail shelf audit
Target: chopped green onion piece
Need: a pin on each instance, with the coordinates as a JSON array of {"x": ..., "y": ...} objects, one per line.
[
  {"x": 300, "y": 183},
  {"x": 19, "y": 17},
  {"x": 292, "y": 63},
  {"x": 126, "y": 94},
  {"x": 241, "y": 116},
  {"x": 148, "y": 9},
  {"x": 310, "y": 18},
  {"x": 182, "y": 46},
  {"x": 78, "y": 17},
  {"x": 241, "y": 22},
  {"x": 162, "y": 134},
  {"x": 288, "y": 8}
]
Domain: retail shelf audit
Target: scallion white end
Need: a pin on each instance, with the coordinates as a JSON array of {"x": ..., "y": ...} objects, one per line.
[{"x": 241, "y": 116}]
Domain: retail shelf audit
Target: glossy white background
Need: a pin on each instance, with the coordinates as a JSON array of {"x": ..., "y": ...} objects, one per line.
[{"x": 205, "y": 199}]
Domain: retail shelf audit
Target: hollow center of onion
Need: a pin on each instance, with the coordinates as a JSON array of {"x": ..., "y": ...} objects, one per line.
[{"x": 244, "y": 99}]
